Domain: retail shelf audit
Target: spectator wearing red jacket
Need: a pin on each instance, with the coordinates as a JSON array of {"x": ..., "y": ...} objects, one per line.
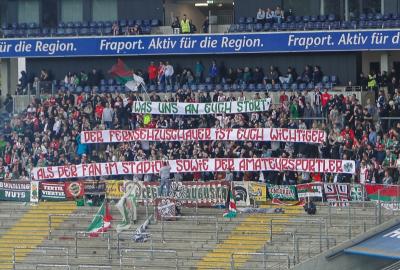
[
  {"x": 347, "y": 131},
  {"x": 152, "y": 71},
  {"x": 325, "y": 97}
]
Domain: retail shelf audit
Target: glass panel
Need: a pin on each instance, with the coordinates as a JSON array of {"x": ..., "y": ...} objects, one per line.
[
  {"x": 71, "y": 10},
  {"x": 372, "y": 6},
  {"x": 301, "y": 8},
  {"x": 335, "y": 7},
  {"x": 28, "y": 11},
  {"x": 104, "y": 10}
]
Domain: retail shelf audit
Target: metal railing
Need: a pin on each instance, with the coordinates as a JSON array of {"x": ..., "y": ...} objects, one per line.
[
  {"x": 50, "y": 223},
  {"x": 194, "y": 218},
  {"x": 93, "y": 267},
  {"x": 41, "y": 249},
  {"x": 297, "y": 249},
  {"x": 349, "y": 205},
  {"x": 152, "y": 251},
  {"x": 85, "y": 234},
  {"x": 52, "y": 266},
  {"x": 321, "y": 222},
  {"x": 264, "y": 254}
]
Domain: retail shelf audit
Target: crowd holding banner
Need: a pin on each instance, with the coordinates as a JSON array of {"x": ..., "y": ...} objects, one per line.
[
  {"x": 205, "y": 134},
  {"x": 180, "y": 108},
  {"x": 194, "y": 165}
]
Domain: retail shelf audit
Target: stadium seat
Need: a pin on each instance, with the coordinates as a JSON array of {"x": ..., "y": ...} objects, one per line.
[
  {"x": 306, "y": 19},
  {"x": 289, "y": 19},
  {"x": 154, "y": 23},
  {"x": 193, "y": 87},
  {"x": 123, "y": 23},
  {"x": 268, "y": 87},
  {"x": 61, "y": 25},
  {"x": 267, "y": 27},
  {"x": 85, "y": 24},
  {"x": 249, "y": 27},
  {"x": 334, "y": 79},
  {"x": 60, "y": 32},
  {"x": 234, "y": 87},
  {"x": 322, "y": 18},
  {"x": 370, "y": 16},
  {"x": 242, "y": 28},
  {"x": 325, "y": 79},
  {"x": 169, "y": 88},
  {"x": 139, "y": 22},
  {"x": 314, "y": 18},
  {"x": 249, "y": 20},
  {"x": 108, "y": 24},
  {"x": 22, "y": 26},
  {"x": 258, "y": 27},
  {"x": 83, "y": 32},
  {"x": 110, "y": 82},
  {"x": 209, "y": 87},
  {"x": 302, "y": 86},
  {"x": 107, "y": 31},
  {"x": 232, "y": 28},
  {"x": 310, "y": 85},
  {"x": 119, "y": 88},
  {"x": 251, "y": 87},
  {"x": 300, "y": 26},
  {"x": 77, "y": 25},
  {"x": 331, "y": 17},
  {"x": 146, "y": 22},
  {"x": 284, "y": 26},
  {"x": 160, "y": 87},
  {"x": 277, "y": 87},
  {"x": 309, "y": 26},
  {"x": 294, "y": 87},
  {"x": 298, "y": 19},
  {"x": 33, "y": 25},
  {"x": 70, "y": 32},
  {"x": 260, "y": 87},
  {"x": 146, "y": 30},
  {"x": 387, "y": 17},
  {"x": 152, "y": 87},
  {"x": 285, "y": 86},
  {"x": 242, "y": 20},
  {"x": 226, "y": 87}
]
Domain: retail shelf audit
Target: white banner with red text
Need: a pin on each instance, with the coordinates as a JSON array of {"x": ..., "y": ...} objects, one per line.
[
  {"x": 194, "y": 165},
  {"x": 182, "y": 108},
  {"x": 205, "y": 134}
]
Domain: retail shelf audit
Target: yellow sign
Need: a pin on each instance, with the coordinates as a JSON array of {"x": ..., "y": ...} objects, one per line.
[
  {"x": 147, "y": 119},
  {"x": 258, "y": 191},
  {"x": 114, "y": 189}
]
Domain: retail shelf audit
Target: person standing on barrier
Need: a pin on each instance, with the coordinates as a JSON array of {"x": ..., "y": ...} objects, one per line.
[{"x": 165, "y": 180}]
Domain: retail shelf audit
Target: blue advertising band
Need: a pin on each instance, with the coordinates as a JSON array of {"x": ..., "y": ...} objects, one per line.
[{"x": 315, "y": 41}]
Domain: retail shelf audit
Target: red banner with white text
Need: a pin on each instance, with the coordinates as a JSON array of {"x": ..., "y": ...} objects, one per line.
[
  {"x": 194, "y": 165},
  {"x": 205, "y": 134}
]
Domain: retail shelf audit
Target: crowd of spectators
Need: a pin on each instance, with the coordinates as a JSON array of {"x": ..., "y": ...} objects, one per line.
[
  {"x": 269, "y": 15},
  {"x": 48, "y": 134},
  {"x": 166, "y": 73}
]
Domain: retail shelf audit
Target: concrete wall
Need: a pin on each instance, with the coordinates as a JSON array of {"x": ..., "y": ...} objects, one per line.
[{"x": 368, "y": 57}]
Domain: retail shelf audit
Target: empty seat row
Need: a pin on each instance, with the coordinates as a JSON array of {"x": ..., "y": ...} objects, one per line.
[
  {"x": 45, "y": 32},
  {"x": 258, "y": 27}
]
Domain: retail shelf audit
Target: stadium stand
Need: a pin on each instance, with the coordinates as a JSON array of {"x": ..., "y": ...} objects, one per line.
[{"x": 281, "y": 151}]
